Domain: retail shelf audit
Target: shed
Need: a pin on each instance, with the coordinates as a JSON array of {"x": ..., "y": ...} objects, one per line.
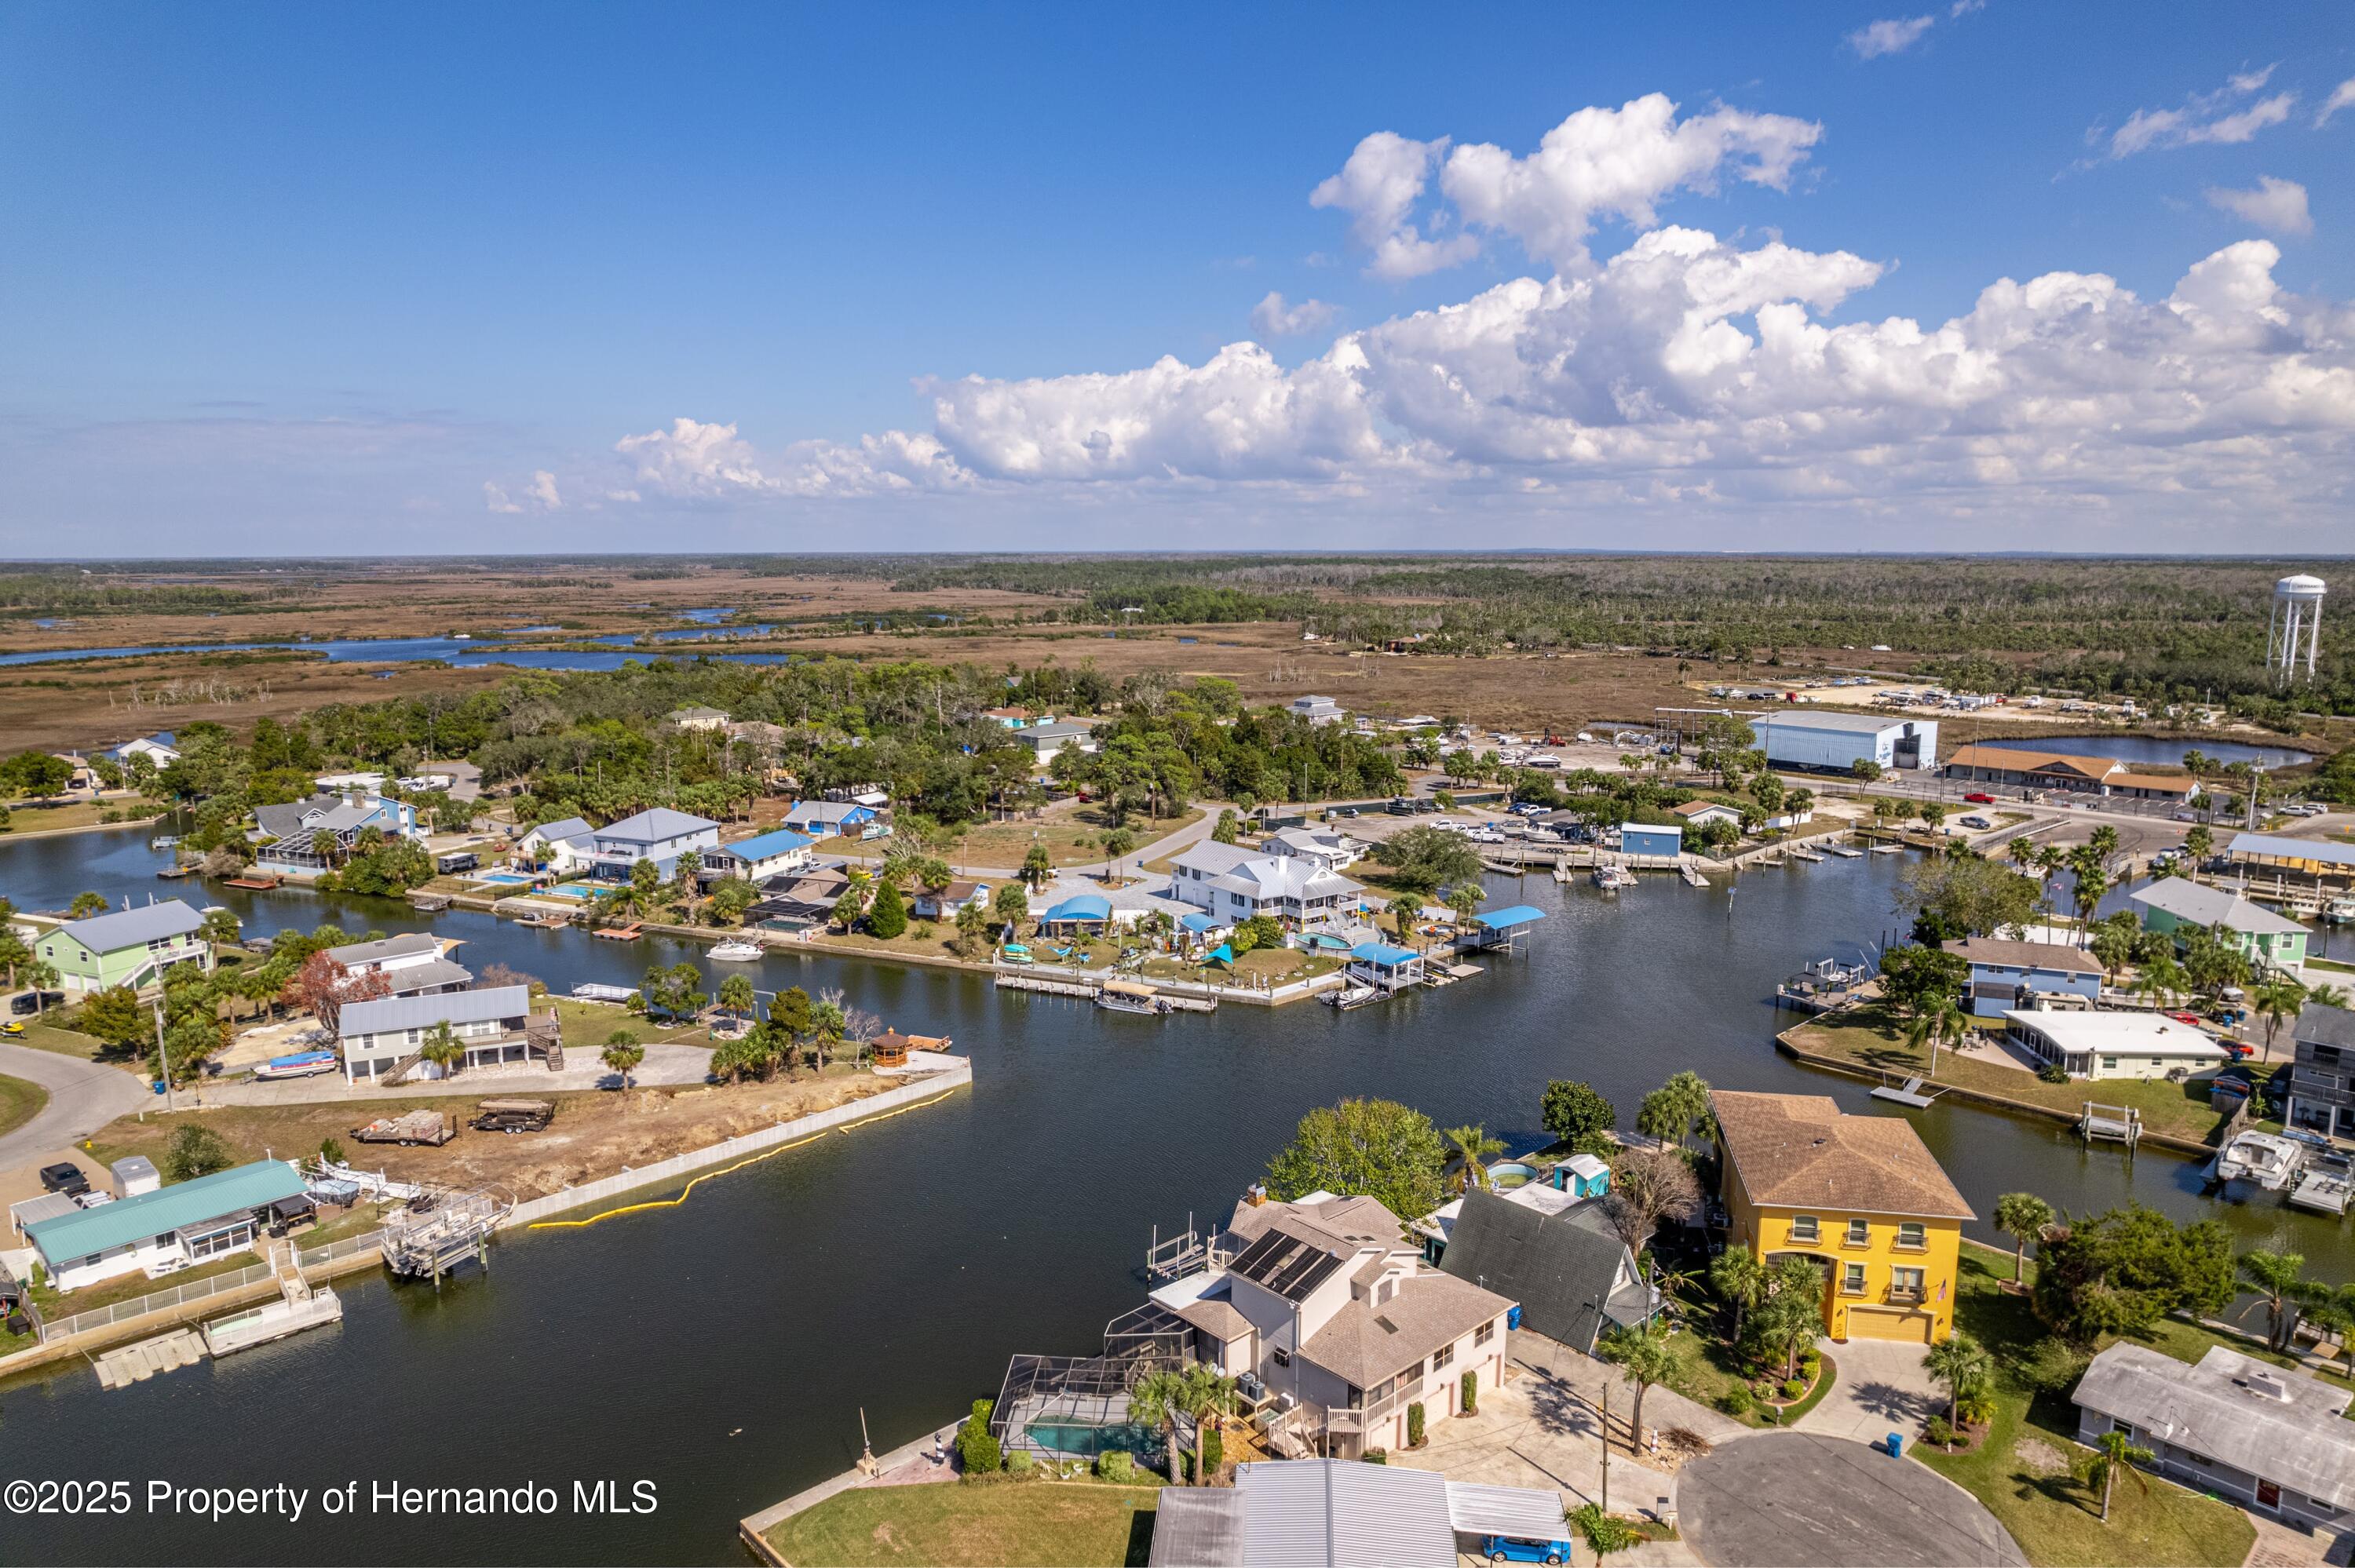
[
  {"x": 134, "y": 1174},
  {"x": 1649, "y": 838}
]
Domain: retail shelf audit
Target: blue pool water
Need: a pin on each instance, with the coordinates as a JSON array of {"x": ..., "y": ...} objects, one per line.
[{"x": 504, "y": 879}]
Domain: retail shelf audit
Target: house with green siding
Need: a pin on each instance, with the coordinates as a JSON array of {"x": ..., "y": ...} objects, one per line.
[
  {"x": 2173, "y": 906},
  {"x": 129, "y": 946}
]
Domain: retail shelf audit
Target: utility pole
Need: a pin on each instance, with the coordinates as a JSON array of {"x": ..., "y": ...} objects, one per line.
[
  {"x": 163, "y": 1052},
  {"x": 1607, "y": 1448}
]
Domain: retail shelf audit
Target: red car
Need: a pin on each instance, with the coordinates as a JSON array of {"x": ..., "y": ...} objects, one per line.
[
  {"x": 2191, "y": 1018},
  {"x": 1979, "y": 798}
]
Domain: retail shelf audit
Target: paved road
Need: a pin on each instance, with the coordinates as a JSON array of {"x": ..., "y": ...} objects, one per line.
[
  {"x": 83, "y": 1097},
  {"x": 1794, "y": 1499}
]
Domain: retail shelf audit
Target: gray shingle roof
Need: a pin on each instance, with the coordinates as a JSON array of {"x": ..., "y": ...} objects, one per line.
[
  {"x": 1558, "y": 1265},
  {"x": 2322, "y": 1024},
  {"x": 386, "y": 1013},
  {"x": 2218, "y": 1409},
  {"x": 133, "y": 927}
]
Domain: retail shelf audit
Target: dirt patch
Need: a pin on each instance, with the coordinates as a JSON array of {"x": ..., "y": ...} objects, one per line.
[
  {"x": 595, "y": 1133},
  {"x": 2038, "y": 1458}
]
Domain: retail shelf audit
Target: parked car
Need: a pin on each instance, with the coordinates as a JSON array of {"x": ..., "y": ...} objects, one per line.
[
  {"x": 1515, "y": 1548},
  {"x": 1977, "y": 821},
  {"x": 1979, "y": 798},
  {"x": 2191, "y": 1018},
  {"x": 64, "y": 1177},
  {"x": 25, "y": 1003}
]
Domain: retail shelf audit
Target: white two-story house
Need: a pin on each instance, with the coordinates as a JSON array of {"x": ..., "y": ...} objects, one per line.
[
  {"x": 659, "y": 834},
  {"x": 1234, "y": 883},
  {"x": 412, "y": 964},
  {"x": 1324, "y": 1300}
]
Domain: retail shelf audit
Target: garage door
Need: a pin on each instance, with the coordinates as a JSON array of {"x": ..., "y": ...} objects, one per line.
[{"x": 1875, "y": 1323}]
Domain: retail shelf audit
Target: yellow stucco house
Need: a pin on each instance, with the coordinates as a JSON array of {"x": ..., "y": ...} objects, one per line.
[{"x": 1860, "y": 1195}]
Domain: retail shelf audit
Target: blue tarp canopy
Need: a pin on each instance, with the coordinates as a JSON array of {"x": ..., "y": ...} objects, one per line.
[
  {"x": 1222, "y": 954},
  {"x": 1382, "y": 953},
  {"x": 1084, "y": 907},
  {"x": 1198, "y": 922},
  {"x": 1505, "y": 919}
]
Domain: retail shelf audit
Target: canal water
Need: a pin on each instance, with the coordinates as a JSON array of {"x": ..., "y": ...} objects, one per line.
[
  {"x": 725, "y": 1349},
  {"x": 486, "y": 649},
  {"x": 2143, "y": 750}
]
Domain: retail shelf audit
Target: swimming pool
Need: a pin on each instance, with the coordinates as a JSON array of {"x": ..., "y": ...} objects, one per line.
[
  {"x": 504, "y": 879},
  {"x": 1511, "y": 1173}
]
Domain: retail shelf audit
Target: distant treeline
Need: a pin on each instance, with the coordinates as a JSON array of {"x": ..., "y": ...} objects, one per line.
[{"x": 72, "y": 593}]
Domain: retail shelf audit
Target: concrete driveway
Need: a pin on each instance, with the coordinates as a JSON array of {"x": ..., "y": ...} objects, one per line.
[
  {"x": 1881, "y": 1389},
  {"x": 83, "y": 1097},
  {"x": 1799, "y": 1500}
]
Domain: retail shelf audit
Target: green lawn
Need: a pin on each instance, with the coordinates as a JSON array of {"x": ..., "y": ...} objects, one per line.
[
  {"x": 129, "y": 1286},
  {"x": 1707, "y": 1370},
  {"x": 51, "y": 1036},
  {"x": 1007, "y": 1525},
  {"x": 1869, "y": 1037},
  {"x": 2022, "y": 1470},
  {"x": 20, "y": 1102}
]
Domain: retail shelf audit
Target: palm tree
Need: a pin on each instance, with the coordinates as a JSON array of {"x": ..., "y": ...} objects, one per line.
[
  {"x": 622, "y": 1053},
  {"x": 2275, "y": 1278},
  {"x": 218, "y": 928},
  {"x": 2277, "y": 999},
  {"x": 737, "y": 996},
  {"x": 2326, "y": 995},
  {"x": 444, "y": 1049},
  {"x": 2197, "y": 844},
  {"x": 1473, "y": 1147},
  {"x": 2021, "y": 1215},
  {"x": 2162, "y": 980},
  {"x": 1205, "y": 1394},
  {"x": 2111, "y": 1452},
  {"x": 1959, "y": 1362},
  {"x": 1940, "y": 1020},
  {"x": 1644, "y": 1356},
  {"x": 1739, "y": 1279},
  {"x": 1158, "y": 1400}
]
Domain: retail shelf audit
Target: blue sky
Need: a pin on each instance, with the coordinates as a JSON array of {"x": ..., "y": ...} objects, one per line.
[{"x": 301, "y": 280}]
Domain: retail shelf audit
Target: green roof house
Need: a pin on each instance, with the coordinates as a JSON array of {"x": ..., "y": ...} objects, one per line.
[
  {"x": 131, "y": 947},
  {"x": 2174, "y": 907},
  {"x": 165, "y": 1230}
]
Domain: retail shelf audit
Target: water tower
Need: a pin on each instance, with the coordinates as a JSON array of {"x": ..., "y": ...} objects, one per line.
[{"x": 2296, "y": 619}]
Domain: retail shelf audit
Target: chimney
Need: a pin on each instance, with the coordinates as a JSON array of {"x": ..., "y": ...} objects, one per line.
[{"x": 1255, "y": 1194}]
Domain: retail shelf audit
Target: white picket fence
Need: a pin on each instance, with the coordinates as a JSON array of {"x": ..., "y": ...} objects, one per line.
[
  {"x": 1211, "y": 989},
  {"x": 662, "y": 1170},
  {"x": 197, "y": 1290}
]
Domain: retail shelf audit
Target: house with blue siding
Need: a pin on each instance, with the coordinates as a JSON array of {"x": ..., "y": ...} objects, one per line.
[
  {"x": 2009, "y": 975},
  {"x": 659, "y": 834},
  {"x": 1645, "y": 839},
  {"x": 761, "y": 856}
]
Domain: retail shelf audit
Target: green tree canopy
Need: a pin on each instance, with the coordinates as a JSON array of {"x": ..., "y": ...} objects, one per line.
[{"x": 1376, "y": 1148}]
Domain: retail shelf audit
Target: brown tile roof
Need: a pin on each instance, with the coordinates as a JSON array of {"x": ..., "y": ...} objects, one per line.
[
  {"x": 2026, "y": 954},
  {"x": 2020, "y": 759},
  {"x": 2171, "y": 783},
  {"x": 1364, "y": 1343},
  {"x": 1802, "y": 1151}
]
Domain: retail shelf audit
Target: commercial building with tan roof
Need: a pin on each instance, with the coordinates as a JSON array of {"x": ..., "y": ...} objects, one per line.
[
  {"x": 2036, "y": 769},
  {"x": 1858, "y": 1195}
]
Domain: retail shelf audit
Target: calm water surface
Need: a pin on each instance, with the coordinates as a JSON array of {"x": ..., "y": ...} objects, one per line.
[
  {"x": 2151, "y": 748},
  {"x": 389, "y": 649},
  {"x": 724, "y": 1349}
]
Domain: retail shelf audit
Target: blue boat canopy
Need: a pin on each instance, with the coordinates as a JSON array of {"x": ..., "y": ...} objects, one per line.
[
  {"x": 1198, "y": 922},
  {"x": 1084, "y": 907},
  {"x": 1382, "y": 953},
  {"x": 1505, "y": 919},
  {"x": 1222, "y": 954}
]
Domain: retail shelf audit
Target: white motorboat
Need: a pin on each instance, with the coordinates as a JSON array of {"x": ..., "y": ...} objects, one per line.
[
  {"x": 1352, "y": 996},
  {"x": 1611, "y": 878},
  {"x": 2340, "y": 912},
  {"x": 2260, "y": 1159},
  {"x": 736, "y": 952},
  {"x": 1130, "y": 996}
]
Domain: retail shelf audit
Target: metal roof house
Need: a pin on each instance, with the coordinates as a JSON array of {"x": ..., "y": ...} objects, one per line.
[
  {"x": 294, "y": 829},
  {"x": 1236, "y": 883},
  {"x": 2172, "y": 906},
  {"x": 825, "y": 818},
  {"x": 761, "y": 856},
  {"x": 2322, "y": 1074},
  {"x": 169, "y": 1228},
  {"x": 381, "y": 1037},
  {"x": 566, "y": 844},
  {"x": 2270, "y": 1438},
  {"x": 131, "y": 947},
  {"x": 1333, "y": 1514},
  {"x": 1649, "y": 840},
  {"x": 2321, "y": 859},
  {"x": 658, "y": 834}
]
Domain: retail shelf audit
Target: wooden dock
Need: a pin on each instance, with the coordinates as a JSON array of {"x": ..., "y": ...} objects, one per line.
[
  {"x": 257, "y": 883},
  {"x": 1008, "y": 981},
  {"x": 1693, "y": 878},
  {"x": 1909, "y": 1095}
]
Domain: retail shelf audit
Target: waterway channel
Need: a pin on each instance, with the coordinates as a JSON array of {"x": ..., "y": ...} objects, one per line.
[{"x": 725, "y": 1349}]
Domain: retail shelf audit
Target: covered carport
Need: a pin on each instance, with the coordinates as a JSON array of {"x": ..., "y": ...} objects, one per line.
[{"x": 1517, "y": 1513}]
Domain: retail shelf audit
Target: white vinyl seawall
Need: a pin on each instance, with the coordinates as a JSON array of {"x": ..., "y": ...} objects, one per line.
[{"x": 930, "y": 1086}]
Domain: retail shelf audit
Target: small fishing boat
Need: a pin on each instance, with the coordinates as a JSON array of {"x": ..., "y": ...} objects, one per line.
[
  {"x": 735, "y": 951},
  {"x": 2257, "y": 1159},
  {"x": 2340, "y": 912},
  {"x": 163, "y": 842},
  {"x": 1130, "y": 996},
  {"x": 1351, "y": 996},
  {"x": 1611, "y": 878},
  {"x": 2326, "y": 1185}
]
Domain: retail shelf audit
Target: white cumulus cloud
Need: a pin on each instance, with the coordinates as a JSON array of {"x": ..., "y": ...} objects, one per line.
[
  {"x": 1893, "y": 36},
  {"x": 2276, "y": 205},
  {"x": 2204, "y": 117},
  {"x": 1273, "y": 317},
  {"x": 539, "y": 496},
  {"x": 1377, "y": 187}
]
